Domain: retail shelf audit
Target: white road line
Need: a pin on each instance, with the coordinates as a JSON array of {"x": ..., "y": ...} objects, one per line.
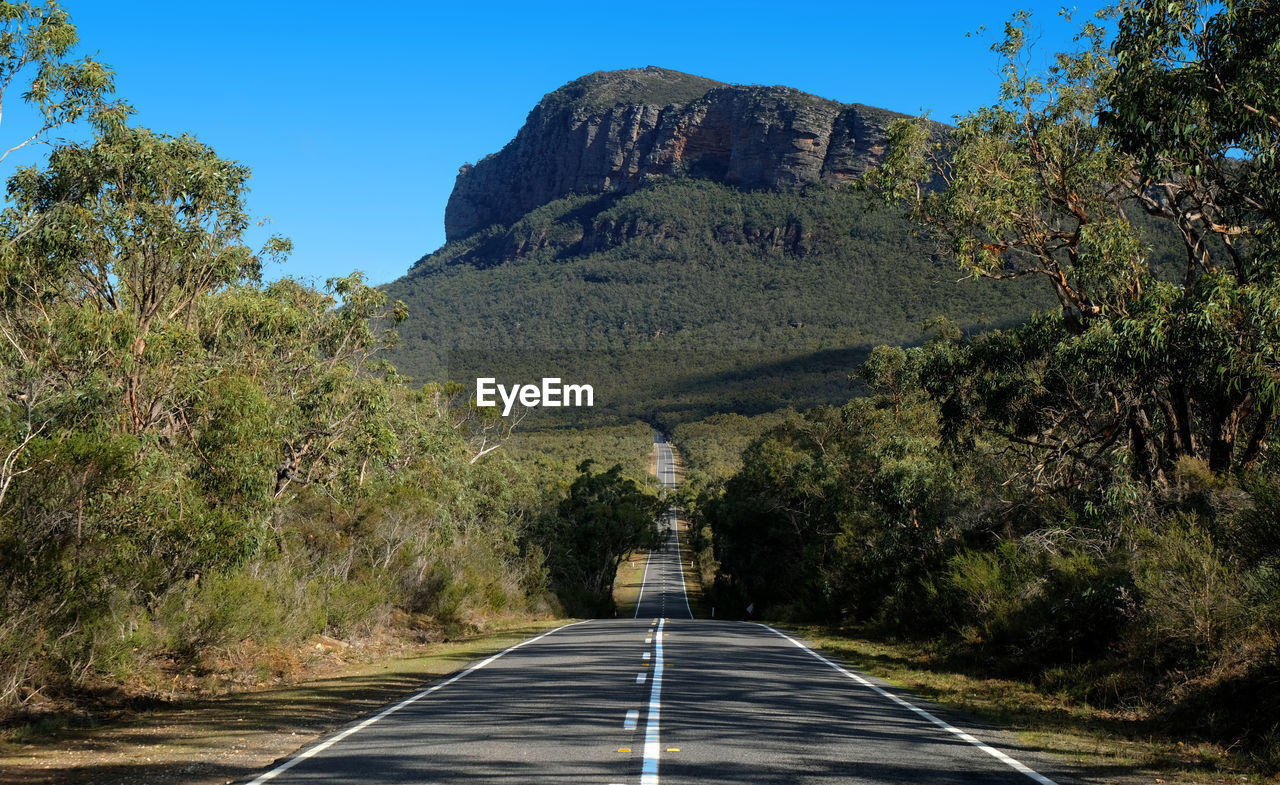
[
  {"x": 640, "y": 677},
  {"x": 643, "y": 578},
  {"x": 319, "y": 748},
  {"x": 992, "y": 751},
  {"x": 652, "y": 749},
  {"x": 630, "y": 722},
  {"x": 683, "y": 592}
]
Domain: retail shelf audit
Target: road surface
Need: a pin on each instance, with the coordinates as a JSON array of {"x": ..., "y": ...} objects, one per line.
[
  {"x": 662, "y": 698},
  {"x": 662, "y": 594}
]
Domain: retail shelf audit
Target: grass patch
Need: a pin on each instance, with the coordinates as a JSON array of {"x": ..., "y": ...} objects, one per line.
[
  {"x": 1107, "y": 745},
  {"x": 627, "y": 584}
]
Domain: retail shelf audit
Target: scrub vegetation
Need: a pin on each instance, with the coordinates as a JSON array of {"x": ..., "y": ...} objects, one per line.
[{"x": 199, "y": 467}]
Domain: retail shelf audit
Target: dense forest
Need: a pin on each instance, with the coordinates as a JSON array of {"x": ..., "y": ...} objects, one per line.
[
  {"x": 1090, "y": 499},
  {"x": 685, "y": 298}
]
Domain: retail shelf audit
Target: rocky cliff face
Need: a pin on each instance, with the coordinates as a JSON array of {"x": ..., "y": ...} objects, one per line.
[{"x": 612, "y": 130}]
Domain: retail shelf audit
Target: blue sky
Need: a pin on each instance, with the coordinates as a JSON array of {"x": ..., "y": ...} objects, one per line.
[{"x": 355, "y": 117}]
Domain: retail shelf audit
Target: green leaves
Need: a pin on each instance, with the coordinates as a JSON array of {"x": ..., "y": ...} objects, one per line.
[
  {"x": 604, "y": 517},
  {"x": 155, "y": 392},
  {"x": 41, "y": 39},
  {"x": 1174, "y": 121},
  {"x": 835, "y": 512}
]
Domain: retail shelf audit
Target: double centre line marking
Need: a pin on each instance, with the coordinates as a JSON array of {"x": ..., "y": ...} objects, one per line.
[{"x": 652, "y": 744}]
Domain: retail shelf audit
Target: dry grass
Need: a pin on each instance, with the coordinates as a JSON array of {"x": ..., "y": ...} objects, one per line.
[{"x": 626, "y": 586}]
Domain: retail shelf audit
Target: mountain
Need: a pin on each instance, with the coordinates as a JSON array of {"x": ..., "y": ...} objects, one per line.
[
  {"x": 684, "y": 245},
  {"x": 618, "y": 129}
]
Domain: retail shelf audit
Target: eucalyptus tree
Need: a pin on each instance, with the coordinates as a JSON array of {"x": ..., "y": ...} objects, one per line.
[
  {"x": 604, "y": 517},
  {"x": 36, "y": 48},
  {"x": 109, "y": 250},
  {"x": 1195, "y": 102},
  {"x": 37, "y": 41},
  {"x": 1170, "y": 123},
  {"x": 171, "y": 400}
]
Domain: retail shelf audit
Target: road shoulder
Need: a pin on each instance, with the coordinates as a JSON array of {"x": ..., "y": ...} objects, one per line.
[
  {"x": 216, "y": 740},
  {"x": 1100, "y": 746}
]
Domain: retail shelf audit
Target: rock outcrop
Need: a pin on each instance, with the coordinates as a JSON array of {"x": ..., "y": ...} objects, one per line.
[{"x": 613, "y": 129}]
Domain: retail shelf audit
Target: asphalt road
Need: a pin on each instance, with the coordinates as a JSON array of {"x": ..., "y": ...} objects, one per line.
[
  {"x": 663, "y": 593},
  {"x": 663, "y": 698}
]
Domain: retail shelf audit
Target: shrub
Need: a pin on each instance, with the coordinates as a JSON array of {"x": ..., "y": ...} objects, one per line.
[
  {"x": 1189, "y": 597},
  {"x": 1036, "y": 605}
]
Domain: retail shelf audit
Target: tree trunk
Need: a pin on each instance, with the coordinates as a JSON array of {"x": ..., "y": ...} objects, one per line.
[
  {"x": 1182, "y": 423},
  {"x": 1146, "y": 459},
  {"x": 1172, "y": 440},
  {"x": 1258, "y": 436},
  {"x": 1222, "y": 432}
]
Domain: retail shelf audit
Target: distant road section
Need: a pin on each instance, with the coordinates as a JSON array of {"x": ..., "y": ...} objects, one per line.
[
  {"x": 666, "y": 469},
  {"x": 663, "y": 593}
]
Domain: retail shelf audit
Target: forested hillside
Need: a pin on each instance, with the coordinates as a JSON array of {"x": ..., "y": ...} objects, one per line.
[
  {"x": 687, "y": 297},
  {"x": 744, "y": 276}
]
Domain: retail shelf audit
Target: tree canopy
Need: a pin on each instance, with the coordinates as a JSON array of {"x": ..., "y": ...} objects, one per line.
[{"x": 1049, "y": 182}]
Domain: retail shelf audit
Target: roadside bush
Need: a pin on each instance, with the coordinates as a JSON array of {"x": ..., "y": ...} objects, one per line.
[
  {"x": 266, "y": 605},
  {"x": 356, "y": 608},
  {"x": 994, "y": 588},
  {"x": 1190, "y": 598},
  {"x": 1036, "y": 605}
]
